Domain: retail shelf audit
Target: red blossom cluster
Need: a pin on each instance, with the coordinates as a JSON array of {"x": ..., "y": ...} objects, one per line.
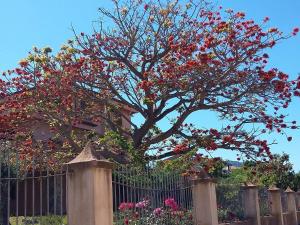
[{"x": 197, "y": 60}]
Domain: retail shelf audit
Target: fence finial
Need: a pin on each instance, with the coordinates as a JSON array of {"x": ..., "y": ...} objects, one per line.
[
  {"x": 273, "y": 188},
  {"x": 289, "y": 190},
  {"x": 249, "y": 184}
]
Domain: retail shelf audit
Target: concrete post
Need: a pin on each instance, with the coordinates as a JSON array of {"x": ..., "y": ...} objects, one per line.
[
  {"x": 89, "y": 190},
  {"x": 205, "y": 210},
  {"x": 291, "y": 206},
  {"x": 298, "y": 200},
  {"x": 276, "y": 207},
  {"x": 251, "y": 204},
  {"x": 298, "y": 205}
]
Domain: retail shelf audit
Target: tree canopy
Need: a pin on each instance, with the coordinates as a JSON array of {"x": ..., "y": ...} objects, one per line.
[
  {"x": 162, "y": 59},
  {"x": 278, "y": 171}
]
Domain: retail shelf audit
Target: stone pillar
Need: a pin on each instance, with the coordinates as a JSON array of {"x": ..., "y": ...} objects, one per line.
[
  {"x": 205, "y": 210},
  {"x": 251, "y": 204},
  {"x": 89, "y": 190},
  {"x": 298, "y": 200},
  {"x": 291, "y": 206},
  {"x": 276, "y": 207}
]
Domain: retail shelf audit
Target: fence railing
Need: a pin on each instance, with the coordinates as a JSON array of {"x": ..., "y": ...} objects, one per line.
[
  {"x": 31, "y": 191},
  {"x": 39, "y": 193},
  {"x": 140, "y": 193}
]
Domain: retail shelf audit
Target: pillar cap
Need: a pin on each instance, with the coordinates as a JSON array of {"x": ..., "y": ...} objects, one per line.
[
  {"x": 273, "y": 188},
  {"x": 204, "y": 180},
  {"x": 289, "y": 190},
  {"x": 249, "y": 185},
  {"x": 88, "y": 158}
]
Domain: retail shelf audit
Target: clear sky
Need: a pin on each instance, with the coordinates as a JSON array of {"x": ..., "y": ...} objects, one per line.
[{"x": 27, "y": 23}]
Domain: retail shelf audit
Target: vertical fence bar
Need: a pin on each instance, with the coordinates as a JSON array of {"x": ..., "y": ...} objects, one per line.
[
  {"x": 48, "y": 192},
  {"x": 33, "y": 193},
  {"x": 41, "y": 192},
  {"x": 25, "y": 195},
  {"x": 119, "y": 187},
  {"x": 17, "y": 187},
  {"x": 8, "y": 185},
  {"x": 54, "y": 192},
  {"x": 61, "y": 192},
  {"x": 134, "y": 184}
]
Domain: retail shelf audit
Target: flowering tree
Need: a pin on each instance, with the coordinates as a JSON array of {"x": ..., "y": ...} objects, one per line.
[{"x": 162, "y": 60}]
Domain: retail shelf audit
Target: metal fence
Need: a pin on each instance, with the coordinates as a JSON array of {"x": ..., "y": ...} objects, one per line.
[
  {"x": 32, "y": 190},
  {"x": 264, "y": 201},
  {"x": 142, "y": 194}
]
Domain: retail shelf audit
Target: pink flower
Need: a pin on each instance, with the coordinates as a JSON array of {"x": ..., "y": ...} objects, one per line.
[
  {"x": 142, "y": 204},
  {"x": 170, "y": 202},
  {"x": 157, "y": 211},
  {"x": 126, "y": 205}
]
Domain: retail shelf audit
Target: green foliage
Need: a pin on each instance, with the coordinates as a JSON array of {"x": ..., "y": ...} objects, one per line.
[
  {"x": 115, "y": 139},
  {"x": 237, "y": 176},
  {"x": 52, "y": 220},
  {"x": 278, "y": 171},
  {"x": 40, "y": 220},
  {"x": 180, "y": 164},
  {"x": 229, "y": 202},
  {"x": 118, "y": 143}
]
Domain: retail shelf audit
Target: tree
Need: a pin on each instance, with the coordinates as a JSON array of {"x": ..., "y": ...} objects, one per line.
[
  {"x": 278, "y": 171},
  {"x": 163, "y": 60}
]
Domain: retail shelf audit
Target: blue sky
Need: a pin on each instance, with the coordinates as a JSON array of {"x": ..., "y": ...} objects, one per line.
[{"x": 28, "y": 23}]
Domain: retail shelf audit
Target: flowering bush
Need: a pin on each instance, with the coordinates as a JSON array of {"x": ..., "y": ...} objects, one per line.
[{"x": 142, "y": 213}]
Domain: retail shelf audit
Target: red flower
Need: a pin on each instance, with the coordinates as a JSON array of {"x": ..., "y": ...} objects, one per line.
[
  {"x": 180, "y": 148},
  {"x": 146, "y": 6},
  {"x": 266, "y": 19},
  {"x": 295, "y": 31},
  {"x": 170, "y": 39},
  {"x": 279, "y": 86}
]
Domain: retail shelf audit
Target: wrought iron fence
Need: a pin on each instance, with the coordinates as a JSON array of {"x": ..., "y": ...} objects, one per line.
[
  {"x": 34, "y": 192},
  {"x": 31, "y": 191},
  {"x": 146, "y": 195},
  {"x": 264, "y": 201}
]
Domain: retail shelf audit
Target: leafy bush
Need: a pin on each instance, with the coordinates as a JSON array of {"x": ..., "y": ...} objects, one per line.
[
  {"x": 230, "y": 202},
  {"x": 52, "y": 220}
]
